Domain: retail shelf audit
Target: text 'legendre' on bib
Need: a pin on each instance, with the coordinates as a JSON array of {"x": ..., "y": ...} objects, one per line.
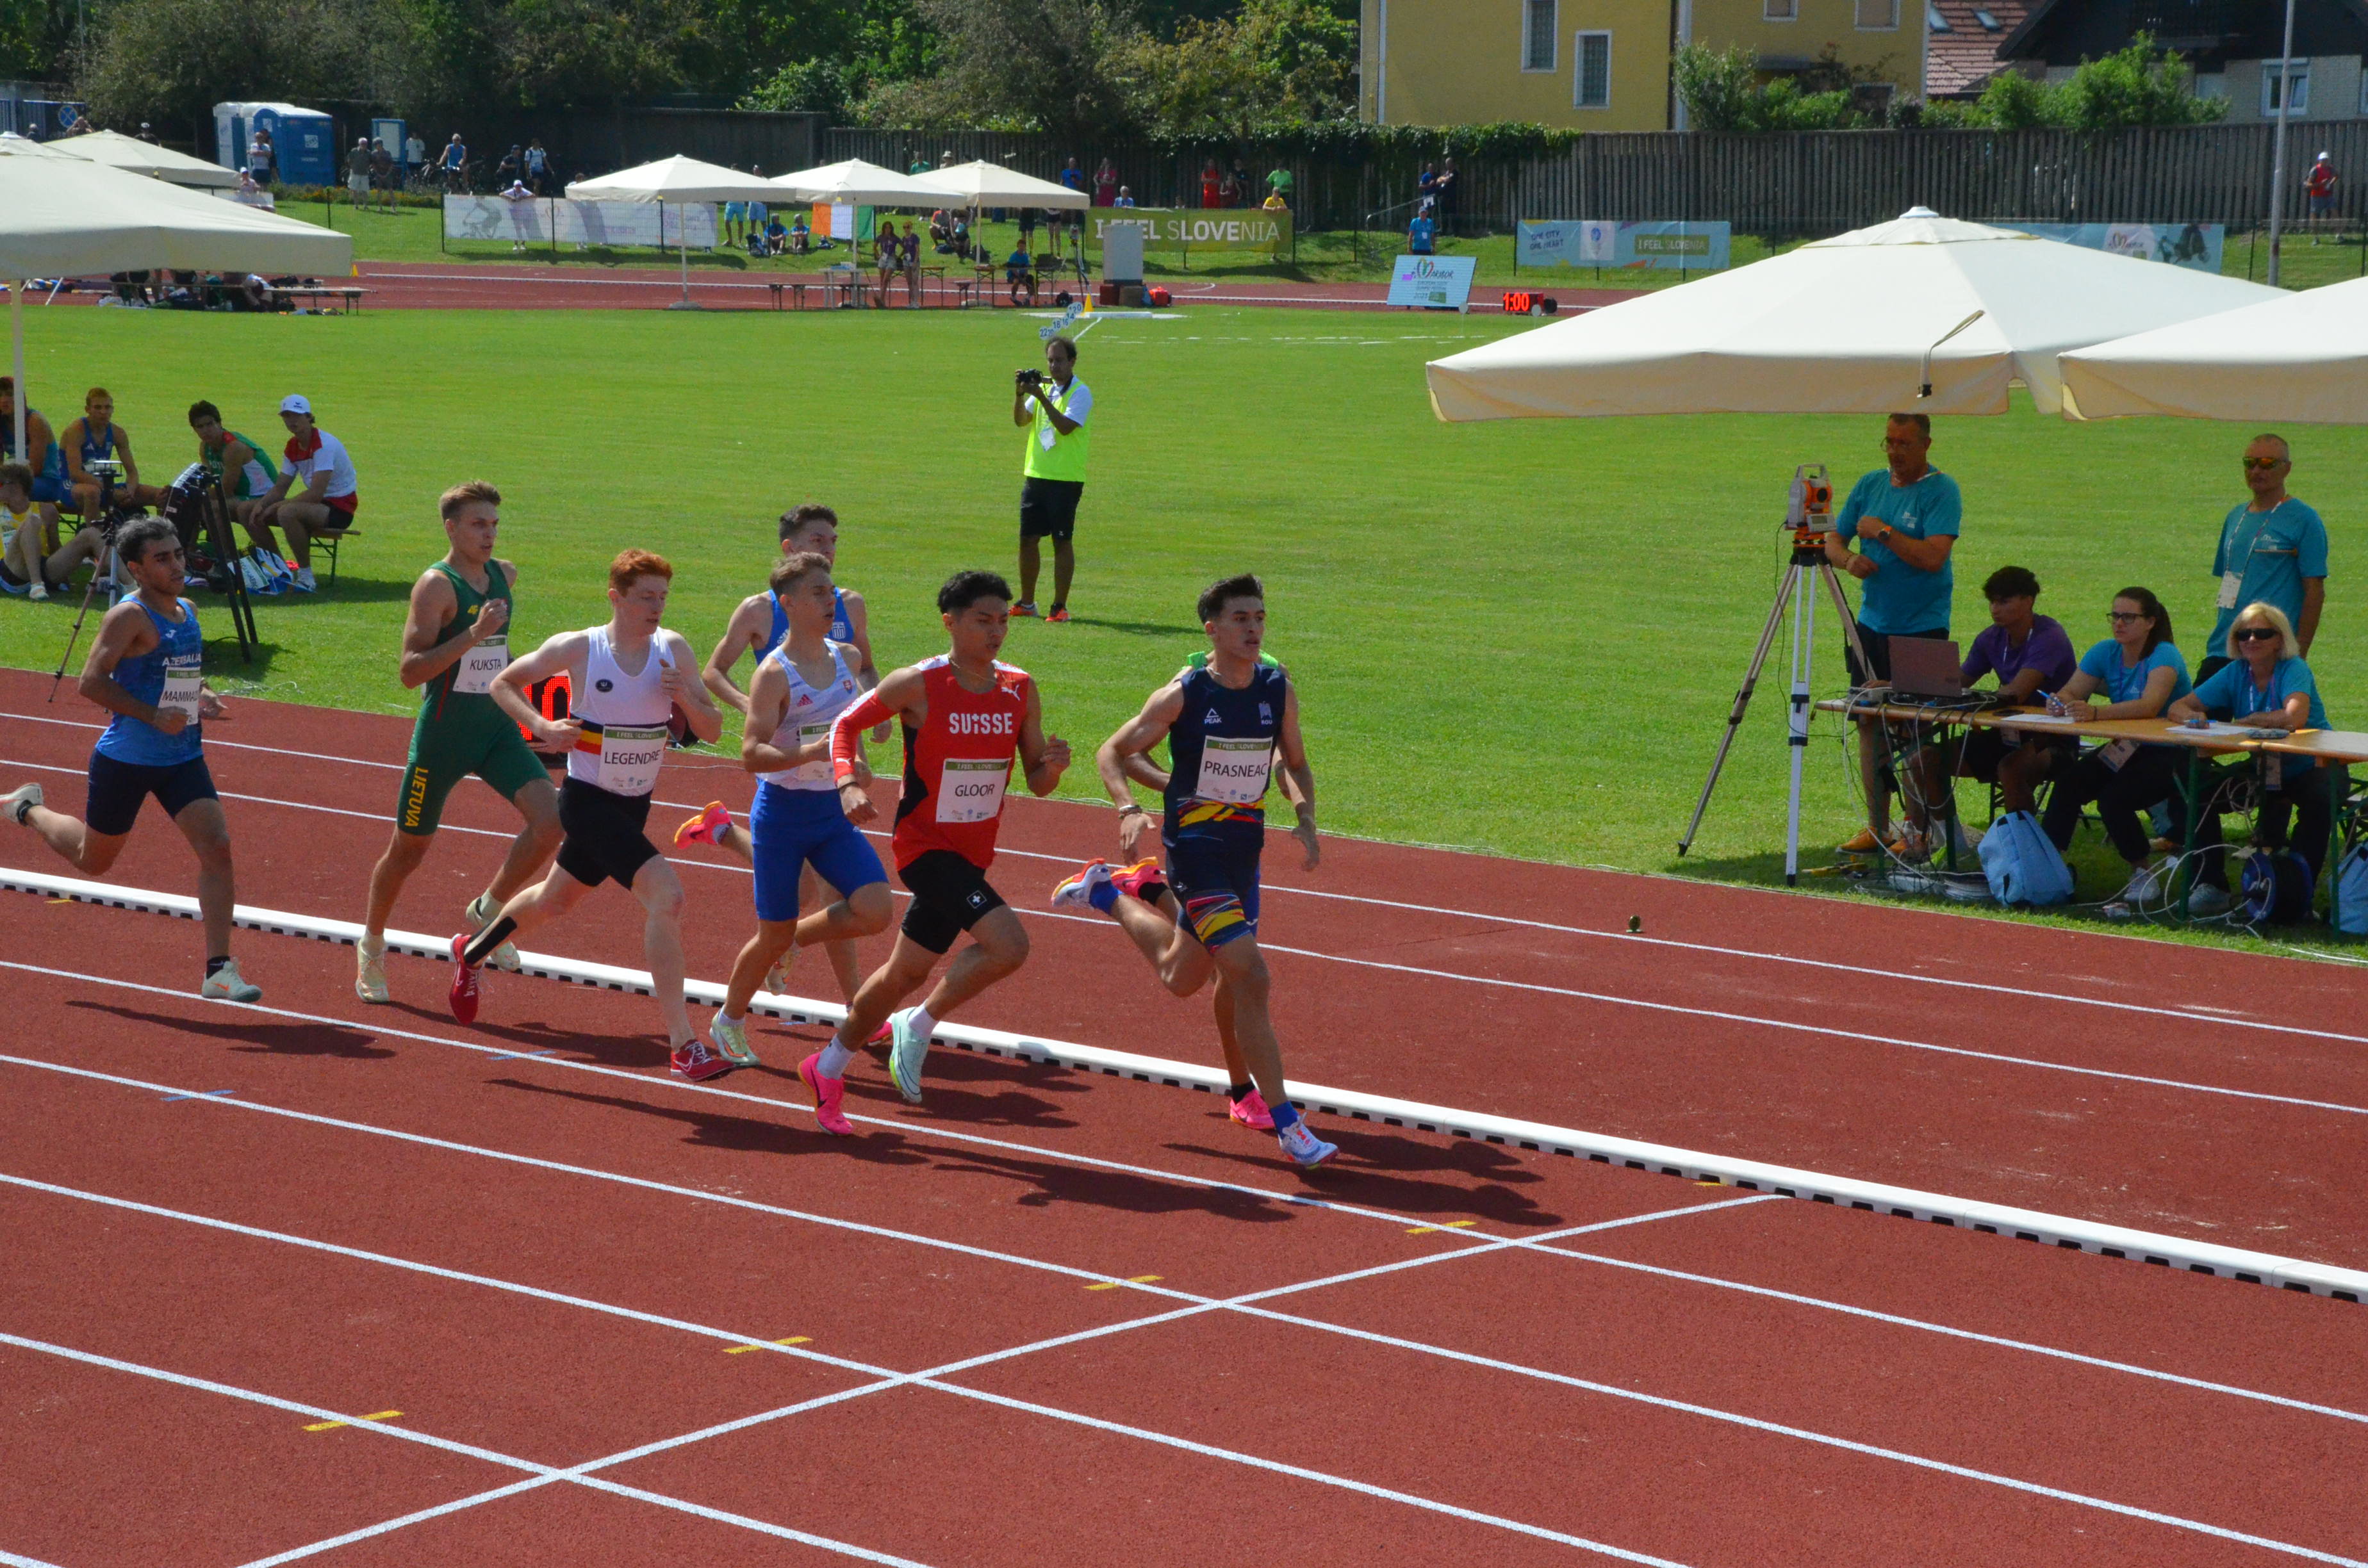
[
  {"x": 1235, "y": 772},
  {"x": 475, "y": 672},
  {"x": 630, "y": 755},
  {"x": 971, "y": 788}
]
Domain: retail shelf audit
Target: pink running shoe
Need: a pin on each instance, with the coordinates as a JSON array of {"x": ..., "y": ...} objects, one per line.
[
  {"x": 829, "y": 1093},
  {"x": 1251, "y": 1112},
  {"x": 694, "y": 1062},
  {"x": 464, "y": 982},
  {"x": 706, "y": 827},
  {"x": 1144, "y": 879}
]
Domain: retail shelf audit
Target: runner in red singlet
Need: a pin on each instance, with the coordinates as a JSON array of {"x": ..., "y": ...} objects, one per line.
[{"x": 966, "y": 715}]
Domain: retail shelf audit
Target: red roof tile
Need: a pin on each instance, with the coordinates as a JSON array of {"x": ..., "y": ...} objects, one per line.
[{"x": 1957, "y": 62}]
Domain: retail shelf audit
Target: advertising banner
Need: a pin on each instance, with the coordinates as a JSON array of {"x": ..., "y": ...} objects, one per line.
[
  {"x": 1597, "y": 242},
  {"x": 1190, "y": 228},
  {"x": 661, "y": 225},
  {"x": 1433, "y": 283},
  {"x": 2182, "y": 245}
]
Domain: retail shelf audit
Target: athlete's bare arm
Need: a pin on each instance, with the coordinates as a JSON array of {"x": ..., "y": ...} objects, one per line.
[
  {"x": 1042, "y": 758},
  {"x": 566, "y": 652},
  {"x": 1299, "y": 778},
  {"x": 71, "y": 447},
  {"x": 688, "y": 694},
  {"x": 126, "y": 633},
  {"x": 123, "y": 451},
  {"x": 1122, "y": 757},
  {"x": 904, "y": 692},
  {"x": 746, "y": 629}
]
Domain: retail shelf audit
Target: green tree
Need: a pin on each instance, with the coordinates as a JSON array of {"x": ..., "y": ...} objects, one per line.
[
  {"x": 1722, "y": 91},
  {"x": 170, "y": 61},
  {"x": 35, "y": 36},
  {"x": 1275, "y": 63},
  {"x": 2139, "y": 85},
  {"x": 1063, "y": 66}
]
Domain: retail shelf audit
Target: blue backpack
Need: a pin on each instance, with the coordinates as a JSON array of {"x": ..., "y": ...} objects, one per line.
[
  {"x": 2351, "y": 893},
  {"x": 2021, "y": 865}
]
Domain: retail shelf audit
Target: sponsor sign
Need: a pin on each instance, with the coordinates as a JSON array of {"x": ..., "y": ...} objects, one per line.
[
  {"x": 1191, "y": 227},
  {"x": 1596, "y": 242},
  {"x": 2182, "y": 245},
  {"x": 1433, "y": 283},
  {"x": 652, "y": 224}
]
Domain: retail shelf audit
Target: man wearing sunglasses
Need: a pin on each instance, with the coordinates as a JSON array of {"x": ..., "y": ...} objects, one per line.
[{"x": 2272, "y": 551}]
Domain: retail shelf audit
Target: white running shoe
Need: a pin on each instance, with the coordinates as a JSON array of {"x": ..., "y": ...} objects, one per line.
[
  {"x": 503, "y": 958},
  {"x": 18, "y": 802},
  {"x": 908, "y": 1049},
  {"x": 1304, "y": 1146},
  {"x": 226, "y": 985},
  {"x": 2143, "y": 887},
  {"x": 732, "y": 1040},
  {"x": 777, "y": 979},
  {"x": 2204, "y": 898},
  {"x": 1077, "y": 889},
  {"x": 370, "y": 971}
]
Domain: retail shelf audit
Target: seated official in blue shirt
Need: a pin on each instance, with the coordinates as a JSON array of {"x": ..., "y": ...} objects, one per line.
[
  {"x": 2139, "y": 671},
  {"x": 1904, "y": 518},
  {"x": 2273, "y": 550},
  {"x": 2263, "y": 685}
]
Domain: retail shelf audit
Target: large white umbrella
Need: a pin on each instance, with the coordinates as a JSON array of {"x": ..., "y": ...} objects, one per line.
[
  {"x": 1859, "y": 323},
  {"x": 680, "y": 181},
  {"x": 865, "y": 185},
  {"x": 982, "y": 184},
  {"x": 66, "y": 218},
  {"x": 2299, "y": 356},
  {"x": 25, "y": 146},
  {"x": 134, "y": 156}
]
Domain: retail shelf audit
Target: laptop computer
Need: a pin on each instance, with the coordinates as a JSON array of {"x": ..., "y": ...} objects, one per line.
[{"x": 1927, "y": 668}]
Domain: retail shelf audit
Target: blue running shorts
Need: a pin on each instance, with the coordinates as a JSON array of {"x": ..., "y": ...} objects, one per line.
[{"x": 790, "y": 829}]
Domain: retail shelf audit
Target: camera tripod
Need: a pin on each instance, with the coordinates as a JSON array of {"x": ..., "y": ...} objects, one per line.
[{"x": 1810, "y": 528}]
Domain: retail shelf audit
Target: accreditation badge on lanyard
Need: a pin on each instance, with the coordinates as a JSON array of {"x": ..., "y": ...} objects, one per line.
[{"x": 475, "y": 672}]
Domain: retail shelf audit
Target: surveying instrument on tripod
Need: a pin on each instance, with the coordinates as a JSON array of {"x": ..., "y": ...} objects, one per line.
[{"x": 1809, "y": 516}]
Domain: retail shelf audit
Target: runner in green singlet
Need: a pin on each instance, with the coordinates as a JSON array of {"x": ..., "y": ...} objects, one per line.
[
  {"x": 238, "y": 463},
  {"x": 454, "y": 642}
]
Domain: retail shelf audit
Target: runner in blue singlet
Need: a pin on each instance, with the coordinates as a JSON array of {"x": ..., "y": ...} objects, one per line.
[
  {"x": 145, "y": 668},
  {"x": 757, "y": 627}
]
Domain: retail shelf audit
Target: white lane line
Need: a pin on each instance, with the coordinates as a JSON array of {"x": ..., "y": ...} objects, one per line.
[
  {"x": 1247, "y": 1304},
  {"x": 10, "y": 1560},
  {"x": 1464, "y": 1236},
  {"x": 543, "y": 1473},
  {"x": 2188, "y": 1012}
]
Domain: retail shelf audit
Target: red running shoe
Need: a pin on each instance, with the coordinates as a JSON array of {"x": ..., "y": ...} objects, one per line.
[
  {"x": 707, "y": 827},
  {"x": 696, "y": 1063},
  {"x": 1144, "y": 879},
  {"x": 1024, "y": 608},
  {"x": 829, "y": 1095},
  {"x": 464, "y": 982},
  {"x": 1057, "y": 614}
]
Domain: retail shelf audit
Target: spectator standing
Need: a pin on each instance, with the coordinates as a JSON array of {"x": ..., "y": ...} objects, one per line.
[
  {"x": 148, "y": 135},
  {"x": 383, "y": 178},
  {"x": 1274, "y": 202},
  {"x": 252, "y": 195},
  {"x": 538, "y": 167},
  {"x": 1210, "y": 181},
  {"x": 521, "y": 202},
  {"x": 1054, "y": 411},
  {"x": 414, "y": 156},
  {"x": 456, "y": 165},
  {"x": 1229, "y": 191},
  {"x": 1125, "y": 197},
  {"x": 332, "y": 491},
  {"x": 512, "y": 165},
  {"x": 1904, "y": 518},
  {"x": 358, "y": 172},
  {"x": 1426, "y": 185},
  {"x": 919, "y": 166},
  {"x": 1421, "y": 233},
  {"x": 2272, "y": 551},
  {"x": 2318, "y": 186},
  {"x": 1073, "y": 176},
  {"x": 1105, "y": 182},
  {"x": 1279, "y": 182},
  {"x": 1028, "y": 228},
  {"x": 1244, "y": 191},
  {"x": 258, "y": 156}
]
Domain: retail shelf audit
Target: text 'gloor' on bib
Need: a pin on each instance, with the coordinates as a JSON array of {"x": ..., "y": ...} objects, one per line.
[{"x": 971, "y": 788}]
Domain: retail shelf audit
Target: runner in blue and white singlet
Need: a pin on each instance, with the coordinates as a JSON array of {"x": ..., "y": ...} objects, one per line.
[{"x": 147, "y": 669}]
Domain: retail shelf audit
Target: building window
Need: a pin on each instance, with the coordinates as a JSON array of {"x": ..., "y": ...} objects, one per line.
[
  {"x": 1780, "y": 10},
  {"x": 2298, "y": 82},
  {"x": 1538, "y": 31},
  {"x": 1990, "y": 22},
  {"x": 1591, "y": 85},
  {"x": 1934, "y": 21},
  {"x": 1878, "y": 15}
]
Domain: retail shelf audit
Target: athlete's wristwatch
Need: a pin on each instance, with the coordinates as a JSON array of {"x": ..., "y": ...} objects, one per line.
[{"x": 1131, "y": 806}]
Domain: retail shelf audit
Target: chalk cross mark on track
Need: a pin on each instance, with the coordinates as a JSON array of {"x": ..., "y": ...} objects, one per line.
[
  {"x": 334, "y": 1425},
  {"x": 794, "y": 1339},
  {"x": 1130, "y": 1279}
]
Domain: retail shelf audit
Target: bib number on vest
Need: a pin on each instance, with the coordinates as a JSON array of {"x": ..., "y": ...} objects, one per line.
[
  {"x": 1234, "y": 772},
  {"x": 182, "y": 679},
  {"x": 811, "y": 772},
  {"x": 475, "y": 672},
  {"x": 970, "y": 789},
  {"x": 629, "y": 755}
]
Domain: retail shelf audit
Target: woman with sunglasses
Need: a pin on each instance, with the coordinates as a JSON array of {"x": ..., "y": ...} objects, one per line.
[
  {"x": 2138, "y": 672},
  {"x": 2265, "y": 685}
]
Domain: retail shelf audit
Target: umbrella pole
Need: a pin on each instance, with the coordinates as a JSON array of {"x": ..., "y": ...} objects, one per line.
[{"x": 682, "y": 242}]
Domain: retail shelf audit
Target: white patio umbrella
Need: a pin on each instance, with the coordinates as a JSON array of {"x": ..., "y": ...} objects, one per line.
[
  {"x": 865, "y": 185},
  {"x": 680, "y": 181},
  {"x": 134, "y": 156},
  {"x": 1921, "y": 314},
  {"x": 982, "y": 184},
  {"x": 2299, "y": 356},
  {"x": 67, "y": 218},
  {"x": 25, "y": 146}
]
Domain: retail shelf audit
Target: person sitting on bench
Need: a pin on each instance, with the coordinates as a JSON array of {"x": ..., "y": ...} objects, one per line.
[{"x": 331, "y": 493}]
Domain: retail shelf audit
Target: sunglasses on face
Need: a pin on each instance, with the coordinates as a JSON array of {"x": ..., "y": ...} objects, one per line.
[
  {"x": 2265, "y": 463},
  {"x": 2119, "y": 617},
  {"x": 2258, "y": 634}
]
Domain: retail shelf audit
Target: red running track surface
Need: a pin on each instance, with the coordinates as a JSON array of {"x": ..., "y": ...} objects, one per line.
[{"x": 550, "y": 1261}]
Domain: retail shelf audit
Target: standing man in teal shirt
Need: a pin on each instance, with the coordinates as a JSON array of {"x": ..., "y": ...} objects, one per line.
[
  {"x": 1904, "y": 518},
  {"x": 2272, "y": 551}
]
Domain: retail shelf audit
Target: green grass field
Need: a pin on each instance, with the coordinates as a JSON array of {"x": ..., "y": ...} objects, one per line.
[{"x": 1518, "y": 637}]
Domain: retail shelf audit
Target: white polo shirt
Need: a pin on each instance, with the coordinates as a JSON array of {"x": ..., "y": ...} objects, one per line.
[{"x": 324, "y": 454}]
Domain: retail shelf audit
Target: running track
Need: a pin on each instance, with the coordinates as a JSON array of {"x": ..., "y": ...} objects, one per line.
[{"x": 552, "y": 1261}]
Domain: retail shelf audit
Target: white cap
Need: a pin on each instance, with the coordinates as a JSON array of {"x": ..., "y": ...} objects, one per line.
[
  {"x": 295, "y": 402},
  {"x": 2322, "y": 157}
]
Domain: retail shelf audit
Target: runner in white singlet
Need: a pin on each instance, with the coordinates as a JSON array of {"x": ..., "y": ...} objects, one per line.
[{"x": 628, "y": 678}]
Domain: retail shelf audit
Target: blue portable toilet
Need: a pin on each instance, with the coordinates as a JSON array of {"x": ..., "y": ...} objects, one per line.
[{"x": 304, "y": 140}]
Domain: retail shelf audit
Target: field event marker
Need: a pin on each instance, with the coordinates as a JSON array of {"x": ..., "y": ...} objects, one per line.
[
  {"x": 744, "y": 1349},
  {"x": 333, "y": 1426},
  {"x": 1452, "y": 1225},
  {"x": 1114, "y": 1284}
]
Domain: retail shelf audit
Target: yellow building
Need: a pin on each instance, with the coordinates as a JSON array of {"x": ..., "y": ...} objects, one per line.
[
  {"x": 1586, "y": 64},
  {"x": 1879, "y": 39}
]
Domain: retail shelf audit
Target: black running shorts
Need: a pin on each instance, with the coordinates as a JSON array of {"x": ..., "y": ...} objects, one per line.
[
  {"x": 949, "y": 896},
  {"x": 605, "y": 838},
  {"x": 118, "y": 788},
  {"x": 1048, "y": 507}
]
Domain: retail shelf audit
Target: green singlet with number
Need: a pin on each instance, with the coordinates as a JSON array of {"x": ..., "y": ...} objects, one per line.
[{"x": 460, "y": 730}]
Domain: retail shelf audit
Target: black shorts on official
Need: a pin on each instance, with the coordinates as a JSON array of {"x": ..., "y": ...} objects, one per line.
[
  {"x": 949, "y": 896},
  {"x": 1048, "y": 507},
  {"x": 605, "y": 838},
  {"x": 117, "y": 789},
  {"x": 1878, "y": 652},
  {"x": 1982, "y": 750}
]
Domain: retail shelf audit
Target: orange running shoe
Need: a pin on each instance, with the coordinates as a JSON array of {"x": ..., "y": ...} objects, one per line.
[{"x": 707, "y": 827}]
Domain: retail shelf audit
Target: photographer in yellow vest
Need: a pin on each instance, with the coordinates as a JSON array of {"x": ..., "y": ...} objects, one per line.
[{"x": 1054, "y": 411}]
